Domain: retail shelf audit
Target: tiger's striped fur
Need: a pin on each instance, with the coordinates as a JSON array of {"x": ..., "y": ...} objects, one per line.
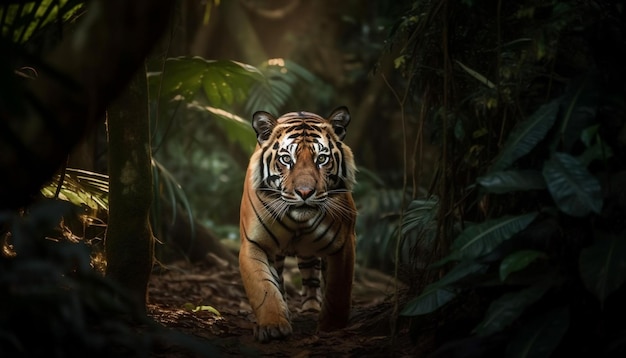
[{"x": 297, "y": 201}]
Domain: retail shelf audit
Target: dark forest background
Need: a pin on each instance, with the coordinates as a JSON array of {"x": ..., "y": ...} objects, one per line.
[{"x": 490, "y": 138}]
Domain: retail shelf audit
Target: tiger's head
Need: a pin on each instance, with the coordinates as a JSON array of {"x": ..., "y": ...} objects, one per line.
[{"x": 301, "y": 165}]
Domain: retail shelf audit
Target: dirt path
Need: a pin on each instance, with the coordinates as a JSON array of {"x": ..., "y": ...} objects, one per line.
[{"x": 181, "y": 286}]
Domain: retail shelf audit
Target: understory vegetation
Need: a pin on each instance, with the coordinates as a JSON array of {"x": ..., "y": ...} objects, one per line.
[{"x": 490, "y": 138}]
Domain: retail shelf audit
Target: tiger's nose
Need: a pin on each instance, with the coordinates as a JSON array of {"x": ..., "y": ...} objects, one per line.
[{"x": 304, "y": 191}]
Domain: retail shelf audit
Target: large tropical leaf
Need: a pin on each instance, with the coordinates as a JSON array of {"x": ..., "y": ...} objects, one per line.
[
  {"x": 480, "y": 239},
  {"x": 418, "y": 232},
  {"x": 441, "y": 292},
  {"x": 526, "y": 135},
  {"x": 282, "y": 76},
  {"x": 236, "y": 128},
  {"x": 518, "y": 261},
  {"x": 222, "y": 82},
  {"x": 575, "y": 191},
  {"x": 22, "y": 19},
  {"x": 540, "y": 336},
  {"x": 603, "y": 265},
  {"x": 421, "y": 213},
  {"x": 80, "y": 187},
  {"x": 379, "y": 210},
  {"x": 506, "y": 309},
  {"x": 512, "y": 180},
  {"x": 429, "y": 301}
]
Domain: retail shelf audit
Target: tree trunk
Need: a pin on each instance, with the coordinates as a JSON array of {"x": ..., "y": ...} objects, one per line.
[{"x": 129, "y": 244}]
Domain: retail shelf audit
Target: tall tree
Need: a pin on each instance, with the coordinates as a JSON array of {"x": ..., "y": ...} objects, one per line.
[{"x": 129, "y": 242}]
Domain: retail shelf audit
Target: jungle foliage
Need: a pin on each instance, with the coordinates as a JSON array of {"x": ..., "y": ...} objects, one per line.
[
  {"x": 499, "y": 201},
  {"x": 529, "y": 113}
]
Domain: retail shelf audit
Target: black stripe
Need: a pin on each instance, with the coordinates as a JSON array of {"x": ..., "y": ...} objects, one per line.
[
  {"x": 245, "y": 234},
  {"x": 315, "y": 224},
  {"x": 311, "y": 282},
  {"x": 309, "y": 264},
  {"x": 263, "y": 223},
  {"x": 273, "y": 283},
  {"x": 301, "y": 126},
  {"x": 322, "y": 235},
  {"x": 332, "y": 241},
  {"x": 337, "y": 157},
  {"x": 274, "y": 216},
  {"x": 343, "y": 163}
]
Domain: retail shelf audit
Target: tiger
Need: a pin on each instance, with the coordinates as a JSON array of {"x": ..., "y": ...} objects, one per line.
[{"x": 297, "y": 201}]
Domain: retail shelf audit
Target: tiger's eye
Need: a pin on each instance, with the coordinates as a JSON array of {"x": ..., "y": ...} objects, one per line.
[
  {"x": 322, "y": 159},
  {"x": 285, "y": 159}
]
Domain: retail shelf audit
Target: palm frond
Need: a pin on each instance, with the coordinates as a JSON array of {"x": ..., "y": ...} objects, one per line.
[
  {"x": 82, "y": 188},
  {"x": 20, "y": 20},
  {"x": 281, "y": 77}
]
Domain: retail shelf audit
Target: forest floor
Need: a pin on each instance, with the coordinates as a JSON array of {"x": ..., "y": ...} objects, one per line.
[{"x": 179, "y": 287}]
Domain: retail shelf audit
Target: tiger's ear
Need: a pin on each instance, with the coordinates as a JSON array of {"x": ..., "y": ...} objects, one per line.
[
  {"x": 263, "y": 124},
  {"x": 340, "y": 118}
]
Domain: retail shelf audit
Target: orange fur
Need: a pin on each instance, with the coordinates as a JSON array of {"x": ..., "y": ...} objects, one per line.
[{"x": 297, "y": 201}]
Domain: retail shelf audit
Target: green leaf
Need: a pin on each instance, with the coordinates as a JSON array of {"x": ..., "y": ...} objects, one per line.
[
  {"x": 237, "y": 129},
  {"x": 207, "y": 308},
  {"x": 603, "y": 265},
  {"x": 526, "y": 135},
  {"x": 282, "y": 76},
  {"x": 506, "y": 309},
  {"x": 429, "y": 301},
  {"x": 540, "y": 336},
  {"x": 512, "y": 180},
  {"x": 480, "y": 239},
  {"x": 596, "y": 148},
  {"x": 518, "y": 261},
  {"x": 574, "y": 190},
  {"x": 589, "y": 135},
  {"x": 81, "y": 187},
  {"x": 20, "y": 21},
  {"x": 479, "y": 77},
  {"x": 581, "y": 101},
  {"x": 460, "y": 271},
  {"x": 420, "y": 213},
  {"x": 598, "y": 151},
  {"x": 439, "y": 293},
  {"x": 221, "y": 81}
]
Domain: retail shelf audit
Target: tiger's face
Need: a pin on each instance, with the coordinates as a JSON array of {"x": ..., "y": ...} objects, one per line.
[{"x": 301, "y": 163}]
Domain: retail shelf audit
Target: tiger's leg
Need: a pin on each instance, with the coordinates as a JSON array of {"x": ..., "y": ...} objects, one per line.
[
  {"x": 279, "y": 265},
  {"x": 260, "y": 281},
  {"x": 310, "y": 267},
  {"x": 338, "y": 278}
]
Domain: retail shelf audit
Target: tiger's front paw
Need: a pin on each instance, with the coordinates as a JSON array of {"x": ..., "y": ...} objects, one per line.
[{"x": 265, "y": 333}]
